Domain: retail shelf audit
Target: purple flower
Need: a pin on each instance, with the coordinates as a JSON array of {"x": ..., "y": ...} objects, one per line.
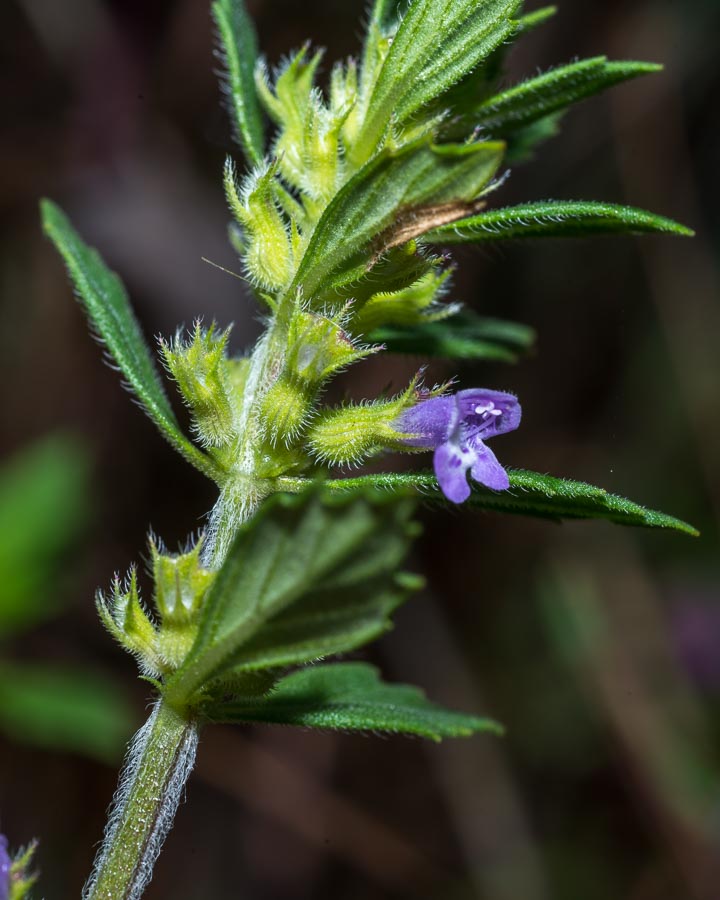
[
  {"x": 456, "y": 428},
  {"x": 4, "y": 869}
]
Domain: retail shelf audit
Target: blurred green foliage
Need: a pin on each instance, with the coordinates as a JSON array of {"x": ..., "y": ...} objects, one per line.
[{"x": 44, "y": 507}]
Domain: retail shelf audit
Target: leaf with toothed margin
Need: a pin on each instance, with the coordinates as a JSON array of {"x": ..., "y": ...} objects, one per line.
[
  {"x": 351, "y": 697},
  {"x": 530, "y": 494},
  {"x": 239, "y": 50},
  {"x": 309, "y": 575},
  {"x": 551, "y": 219},
  {"x": 462, "y": 336},
  {"x": 106, "y": 303}
]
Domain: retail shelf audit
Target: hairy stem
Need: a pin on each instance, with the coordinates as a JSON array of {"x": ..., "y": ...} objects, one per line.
[
  {"x": 159, "y": 762},
  {"x": 242, "y": 491}
]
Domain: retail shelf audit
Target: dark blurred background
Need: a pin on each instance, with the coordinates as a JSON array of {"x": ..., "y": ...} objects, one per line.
[{"x": 598, "y": 648}]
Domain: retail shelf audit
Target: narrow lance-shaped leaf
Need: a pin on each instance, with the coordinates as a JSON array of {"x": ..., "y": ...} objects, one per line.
[
  {"x": 239, "y": 50},
  {"x": 437, "y": 44},
  {"x": 535, "y": 19},
  {"x": 554, "y": 218},
  {"x": 391, "y": 200},
  {"x": 483, "y": 79},
  {"x": 285, "y": 571},
  {"x": 106, "y": 302},
  {"x": 352, "y": 697},
  {"x": 462, "y": 336},
  {"x": 539, "y": 97},
  {"x": 530, "y": 494}
]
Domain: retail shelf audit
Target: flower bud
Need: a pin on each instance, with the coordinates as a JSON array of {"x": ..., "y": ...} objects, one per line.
[
  {"x": 203, "y": 375},
  {"x": 268, "y": 244},
  {"x": 286, "y": 408},
  {"x": 181, "y": 585},
  {"x": 318, "y": 347}
]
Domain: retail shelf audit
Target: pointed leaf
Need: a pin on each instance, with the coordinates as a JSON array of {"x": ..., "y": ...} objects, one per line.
[
  {"x": 530, "y": 494},
  {"x": 554, "y": 218},
  {"x": 388, "y": 202},
  {"x": 292, "y": 563},
  {"x": 106, "y": 303},
  {"x": 437, "y": 44},
  {"x": 535, "y": 19},
  {"x": 240, "y": 51},
  {"x": 351, "y": 697},
  {"x": 463, "y": 336},
  {"x": 539, "y": 97}
]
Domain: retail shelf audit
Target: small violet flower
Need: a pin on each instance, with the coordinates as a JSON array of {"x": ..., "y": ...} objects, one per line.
[
  {"x": 456, "y": 427},
  {"x": 4, "y": 868}
]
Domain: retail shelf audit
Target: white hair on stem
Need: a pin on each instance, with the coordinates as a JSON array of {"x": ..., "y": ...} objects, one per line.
[{"x": 167, "y": 789}]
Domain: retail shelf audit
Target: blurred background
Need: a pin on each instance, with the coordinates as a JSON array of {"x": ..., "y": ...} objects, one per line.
[{"x": 598, "y": 648}]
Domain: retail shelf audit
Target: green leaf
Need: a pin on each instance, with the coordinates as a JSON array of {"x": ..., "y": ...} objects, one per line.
[
  {"x": 386, "y": 12},
  {"x": 395, "y": 270},
  {"x": 76, "y": 710},
  {"x": 521, "y": 144},
  {"x": 437, "y": 44},
  {"x": 535, "y": 19},
  {"x": 554, "y": 218},
  {"x": 321, "y": 624},
  {"x": 44, "y": 504},
  {"x": 384, "y": 204},
  {"x": 539, "y": 97},
  {"x": 462, "y": 336},
  {"x": 279, "y": 596},
  {"x": 106, "y": 302},
  {"x": 240, "y": 51},
  {"x": 351, "y": 697},
  {"x": 530, "y": 494}
]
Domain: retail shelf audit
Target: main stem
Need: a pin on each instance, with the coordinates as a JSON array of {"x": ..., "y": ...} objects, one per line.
[
  {"x": 162, "y": 753},
  {"x": 242, "y": 492},
  {"x": 159, "y": 762}
]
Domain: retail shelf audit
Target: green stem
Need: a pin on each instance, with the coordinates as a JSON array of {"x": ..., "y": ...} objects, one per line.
[
  {"x": 159, "y": 762},
  {"x": 163, "y": 751},
  {"x": 242, "y": 491}
]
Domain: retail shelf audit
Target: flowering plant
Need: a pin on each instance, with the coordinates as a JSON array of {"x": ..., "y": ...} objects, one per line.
[{"x": 338, "y": 222}]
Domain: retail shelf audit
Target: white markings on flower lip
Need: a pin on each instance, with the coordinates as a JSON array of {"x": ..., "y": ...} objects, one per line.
[{"x": 490, "y": 408}]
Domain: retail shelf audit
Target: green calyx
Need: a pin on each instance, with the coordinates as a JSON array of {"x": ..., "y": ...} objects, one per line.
[
  {"x": 351, "y": 434},
  {"x": 160, "y": 642},
  {"x": 20, "y": 877},
  {"x": 205, "y": 378}
]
